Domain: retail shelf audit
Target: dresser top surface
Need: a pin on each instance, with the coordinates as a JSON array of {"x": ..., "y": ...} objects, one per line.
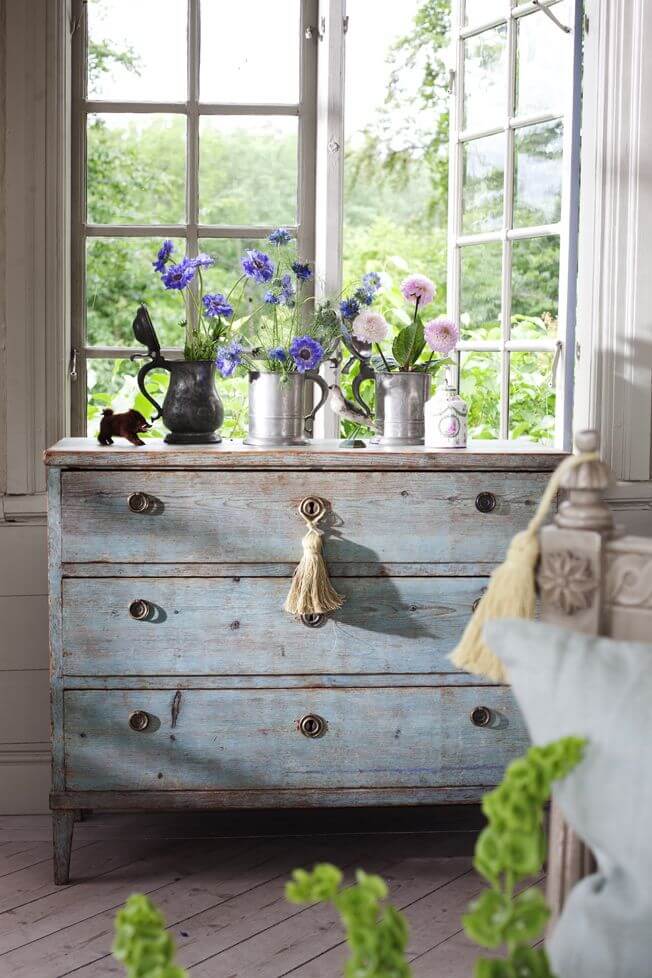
[{"x": 85, "y": 453}]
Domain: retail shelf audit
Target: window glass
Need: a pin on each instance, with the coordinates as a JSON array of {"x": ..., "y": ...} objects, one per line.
[
  {"x": 248, "y": 170},
  {"x": 480, "y": 388},
  {"x": 137, "y": 50},
  {"x": 112, "y": 383},
  {"x": 531, "y": 397},
  {"x": 483, "y": 11},
  {"x": 543, "y": 52},
  {"x": 537, "y": 178},
  {"x": 136, "y": 169},
  {"x": 485, "y": 79},
  {"x": 480, "y": 291},
  {"x": 535, "y": 287},
  {"x": 265, "y": 68},
  {"x": 483, "y": 184}
]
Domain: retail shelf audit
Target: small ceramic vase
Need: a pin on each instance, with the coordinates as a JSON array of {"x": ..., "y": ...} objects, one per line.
[{"x": 446, "y": 419}]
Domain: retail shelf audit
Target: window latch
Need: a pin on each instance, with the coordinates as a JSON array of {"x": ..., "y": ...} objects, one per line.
[
  {"x": 555, "y": 365},
  {"x": 72, "y": 364},
  {"x": 549, "y": 14}
]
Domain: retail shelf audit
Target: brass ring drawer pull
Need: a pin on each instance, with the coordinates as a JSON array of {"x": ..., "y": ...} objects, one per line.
[
  {"x": 139, "y": 502},
  {"x": 485, "y": 502},
  {"x": 312, "y": 725},
  {"x": 140, "y": 609},
  {"x": 139, "y": 721},
  {"x": 481, "y": 716},
  {"x": 312, "y": 507},
  {"x": 312, "y": 621}
]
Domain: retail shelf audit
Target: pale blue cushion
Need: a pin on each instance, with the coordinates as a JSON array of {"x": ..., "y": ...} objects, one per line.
[{"x": 568, "y": 683}]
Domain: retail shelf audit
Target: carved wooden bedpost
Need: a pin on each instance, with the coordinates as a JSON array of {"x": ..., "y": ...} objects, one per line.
[{"x": 572, "y": 582}]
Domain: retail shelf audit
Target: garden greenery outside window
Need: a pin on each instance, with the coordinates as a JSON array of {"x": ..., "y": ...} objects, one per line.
[{"x": 196, "y": 120}]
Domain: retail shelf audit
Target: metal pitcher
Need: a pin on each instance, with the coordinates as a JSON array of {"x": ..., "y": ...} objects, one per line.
[
  {"x": 277, "y": 408},
  {"x": 192, "y": 409},
  {"x": 400, "y": 404}
]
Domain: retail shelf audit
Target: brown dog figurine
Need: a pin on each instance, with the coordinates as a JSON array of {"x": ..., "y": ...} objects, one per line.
[{"x": 125, "y": 425}]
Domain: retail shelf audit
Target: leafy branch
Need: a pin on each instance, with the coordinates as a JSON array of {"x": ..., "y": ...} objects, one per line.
[{"x": 142, "y": 943}]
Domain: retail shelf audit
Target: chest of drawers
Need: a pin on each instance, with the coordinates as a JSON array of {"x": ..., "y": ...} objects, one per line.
[{"x": 179, "y": 682}]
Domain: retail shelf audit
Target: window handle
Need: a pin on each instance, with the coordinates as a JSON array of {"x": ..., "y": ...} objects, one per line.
[
  {"x": 72, "y": 364},
  {"x": 555, "y": 365},
  {"x": 549, "y": 13}
]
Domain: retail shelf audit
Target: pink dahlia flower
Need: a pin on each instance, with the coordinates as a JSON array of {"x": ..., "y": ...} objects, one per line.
[
  {"x": 418, "y": 287},
  {"x": 370, "y": 327},
  {"x": 441, "y": 335}
]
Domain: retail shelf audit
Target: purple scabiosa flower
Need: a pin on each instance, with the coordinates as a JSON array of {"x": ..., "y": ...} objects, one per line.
[
  {"x": 302, "y": 270},
  {"x": 281, "y": 236},
  {"x": 349, "y": 308},
  {"x": 365, "y": 295},
  {"x": 370, "y": 327},
  {"x": 418, "y": 288},
  {"x": 228, "y": 358},
  {"x": 278, "y": 353},
  {"x": 441, "y": 335},
  {"x": 179, "y": 276},
  {"x": 217, "y": 305},
  {"x": 202, "y": 261},
  {"x": 163, "y": 256},
  {"x": 257, "y": 265},
  {"x": 371, "y": 281},
  {"x": 306, "y": 352},
  {"x": 271, "y": 298},
  {"x": 287, "y": 291}
]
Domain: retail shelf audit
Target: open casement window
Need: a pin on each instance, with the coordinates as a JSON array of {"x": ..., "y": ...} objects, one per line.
[
  {"x": 193, "y": 120},
  {"x": 513, "y": 211}
]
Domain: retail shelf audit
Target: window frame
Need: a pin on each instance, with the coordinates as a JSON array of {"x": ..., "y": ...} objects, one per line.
[
  {"x": 563, "y": 348},
  {"x": 305, "y": 110}
]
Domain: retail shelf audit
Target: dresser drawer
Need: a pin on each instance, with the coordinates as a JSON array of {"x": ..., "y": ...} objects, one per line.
[
  {"x": 245, "y": 738},
  {"x": 412, "y": 517},
  {"x": 238, "y": 627}
]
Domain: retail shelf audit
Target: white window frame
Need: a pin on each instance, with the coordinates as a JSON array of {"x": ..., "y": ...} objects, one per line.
[
  {"x": 191, "y": 230},
  {"x": 567, "y": 228}
]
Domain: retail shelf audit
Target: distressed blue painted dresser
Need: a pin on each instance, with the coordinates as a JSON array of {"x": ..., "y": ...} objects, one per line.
[{"x": 178, "y": 682}]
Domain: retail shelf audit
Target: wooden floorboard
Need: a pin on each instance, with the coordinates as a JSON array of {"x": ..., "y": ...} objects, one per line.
[{"x": 220, "y": 884}]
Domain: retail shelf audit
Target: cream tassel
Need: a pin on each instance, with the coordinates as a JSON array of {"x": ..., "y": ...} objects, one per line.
[
  {"x": 311, "y": 592},
  {"x": 511, "y": 592}
]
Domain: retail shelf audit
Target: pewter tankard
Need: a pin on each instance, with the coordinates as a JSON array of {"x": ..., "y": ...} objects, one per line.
[
  {"x": 400, "y": 404},
  {"x": 277, "y": 408}
]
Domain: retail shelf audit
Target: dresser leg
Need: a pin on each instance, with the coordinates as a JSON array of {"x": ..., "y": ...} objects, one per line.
[{"x": 62, "y": 826}]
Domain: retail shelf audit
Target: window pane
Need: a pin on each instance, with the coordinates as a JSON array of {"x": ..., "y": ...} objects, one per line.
[
  {"x": 485, "y": 79},
  {"x": 531, "y": 398},
  {"x": 250, "y": 51},
  {"x": 137, "y": 50},
  {"x": 480, "y": 388},
  {"x": 482, "y": 186},
  {"x": 535, "y": 287},
  {"x": 119, "y": 276},
  {"x": 537, "y": 179},
  {"x": 480, "y": 291},
  {"x": 136, "y": 169},
  {"x": 483, "y": 11},
  {"x": 543, "y": 63},
  {"x": 247, "y": 170},
  {"x": 112, "y": 383}
]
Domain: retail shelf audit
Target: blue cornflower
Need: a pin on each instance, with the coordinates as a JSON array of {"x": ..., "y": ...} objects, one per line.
[
  {"x": 257, "y": 265},
  {"x": 217, "y": 305},
  {"x": 278, "y": 353},
  {"x": 349, "y": 308},
  {"x": 287, "y": 291},
  {"x": 164, "y": 253},
  {"x": 372, "y": 280},
  {"x": 306, "y": 352},
  {"x": 228, "y": 358},
  {"x": 365, "y": 295},
  {"x": 179, "y": 276},
  {"x": 271, "y": 298},
  {"x": 203, "y": 261},
  {"x": 302, "y": 270},
  {"x": 281, "y": 236}
]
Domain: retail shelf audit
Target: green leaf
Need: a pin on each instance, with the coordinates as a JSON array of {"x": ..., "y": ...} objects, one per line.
[
  {"x": 528, "y": 918},
  {"x": 488, "y": 859},
  {"x": 487, "y": 919},
  {"x": 530, "y": 962},
  {"x": 492, "y": 968},
  {"x": 408, "y": 344}
]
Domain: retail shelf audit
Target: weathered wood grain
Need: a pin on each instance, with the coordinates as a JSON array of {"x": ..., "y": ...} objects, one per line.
[
  {"x": 238, "y": 627},
  {"x": 85, "y": 453},
  {"x": 247, "y": 569},
  {"x": 236, "y": 739},
  {"x": 384, "y": 516}
]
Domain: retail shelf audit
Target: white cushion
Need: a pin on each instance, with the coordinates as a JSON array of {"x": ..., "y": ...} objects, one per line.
[{"x": 567, "y": 683}]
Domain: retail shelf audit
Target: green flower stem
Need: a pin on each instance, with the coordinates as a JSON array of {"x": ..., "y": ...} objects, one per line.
[{"x": 382, "y": 357}]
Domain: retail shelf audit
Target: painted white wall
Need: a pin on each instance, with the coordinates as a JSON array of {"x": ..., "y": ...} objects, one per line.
[{"x": 34, "y": 323}]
